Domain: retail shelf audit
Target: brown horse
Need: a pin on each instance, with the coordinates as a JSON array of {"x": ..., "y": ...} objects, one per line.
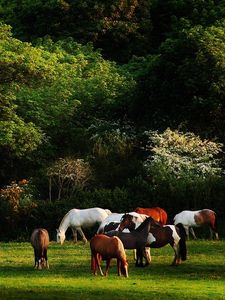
[
  {"x": 197, "y": 218},
  {"x": 160, "y": 236},
  {"x": 104, "y": 247},
  {"x": 157, "y": 213},
  {"x": 40, "y": 241}
]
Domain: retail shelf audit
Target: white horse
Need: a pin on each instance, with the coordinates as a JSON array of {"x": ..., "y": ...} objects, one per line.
[
  {"x": 77, "y": 219},
  {"x": 116, "y": 218},
  {"x": 197, "y": 218}
]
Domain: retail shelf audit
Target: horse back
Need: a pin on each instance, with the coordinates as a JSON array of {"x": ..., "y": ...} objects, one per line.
[
  {"x": 205, "y": 216},
  {"x": 40, "y": 238},
  {"x": 106, "y": 246},
  {"x": 87, "y": 217},
  {"x": 186, "y": 217},
  {"x": 157, "y": 213},
  {"x": 161, "y": 236}
]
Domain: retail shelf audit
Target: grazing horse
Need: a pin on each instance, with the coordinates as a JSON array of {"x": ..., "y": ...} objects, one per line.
[
  {"x": 40, "y": 241},
  {"x": 104, "y": 247},
  {"x": 157, "y": 213},
  {"x": 197, "y": 218},
  {"x": 160, "y": 236},
  {"x": 77, "y": 219},
  {"x": 136, "y": 239},
  {"x": 116, "y": 217}
]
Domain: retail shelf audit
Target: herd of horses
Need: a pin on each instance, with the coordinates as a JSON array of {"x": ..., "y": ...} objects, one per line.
[{"x": 140, "y": 230}]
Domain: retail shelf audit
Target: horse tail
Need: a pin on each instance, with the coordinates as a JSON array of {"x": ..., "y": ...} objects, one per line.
[
  {"x": 215, "y": 225},
  {"x": 182, "y": 241},
  {"x": 162, "y": 215}
]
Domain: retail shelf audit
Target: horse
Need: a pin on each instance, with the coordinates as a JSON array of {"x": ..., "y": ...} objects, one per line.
[
  {"x": 136, "y": 239},
  {"x": 138, "y": 219},
  {"x": 40, "y": 241},
  {"x": 77, "y": 219},
  {"x": 111, "y": 226},
  {"x": 161, "y": 235},
  {"x": 104, "y": 247},
  {"x": 157, "y": 213},
  {"x": 116, "y": 218},
  {"x": 197, "y": 218}
]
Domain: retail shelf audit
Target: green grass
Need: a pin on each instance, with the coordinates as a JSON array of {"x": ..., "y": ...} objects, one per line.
[{"x": 202, "y": 276}]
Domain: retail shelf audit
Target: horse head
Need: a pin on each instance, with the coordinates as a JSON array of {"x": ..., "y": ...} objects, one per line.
[
  {"x": 60, "y": 237},
  {"x": 124, "y": 268},
  {"x": 127, "y": 221}
]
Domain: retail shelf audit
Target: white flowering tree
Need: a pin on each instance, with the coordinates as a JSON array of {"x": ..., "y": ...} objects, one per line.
[{"x": 181, "y": 156}]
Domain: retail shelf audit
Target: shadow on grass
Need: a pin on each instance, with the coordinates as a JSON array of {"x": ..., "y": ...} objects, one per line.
[{"x": 187, "y": 270}]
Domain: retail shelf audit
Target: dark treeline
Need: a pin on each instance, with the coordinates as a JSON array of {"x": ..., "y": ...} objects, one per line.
[{"x": 114, "y": 104}]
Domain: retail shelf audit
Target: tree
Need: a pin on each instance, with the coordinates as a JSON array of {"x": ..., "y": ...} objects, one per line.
[
  {"x": 182, "y": 156},
  {"x": 67, "y": 174},
  {"x": 184, "y": 83}
]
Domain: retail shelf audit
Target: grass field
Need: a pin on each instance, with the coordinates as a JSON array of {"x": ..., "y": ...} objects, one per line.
[{"x": 202, "y": 276}]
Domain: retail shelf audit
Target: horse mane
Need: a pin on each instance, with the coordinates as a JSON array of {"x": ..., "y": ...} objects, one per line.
[
  {"x": 66, "y": 215},
  {"x": 143, "y": 224}
]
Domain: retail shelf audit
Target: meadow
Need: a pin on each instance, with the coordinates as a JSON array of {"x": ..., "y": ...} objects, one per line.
[{"x": 202, "y": 276}]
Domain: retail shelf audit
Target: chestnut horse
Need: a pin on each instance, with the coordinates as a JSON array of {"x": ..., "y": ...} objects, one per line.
[
  {"x": 40, "y": 241},
  {"x": 104, "y": 247},
  {"x": 198, "y": 218},
  {"x": 160, "y": 236},
  {"x": 157, "y": 213}
]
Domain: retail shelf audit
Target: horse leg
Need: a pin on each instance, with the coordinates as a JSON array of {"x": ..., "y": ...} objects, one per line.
[
  {"x": 46, "y": 259},
  {"x": 35, "y": 259},
  {"x": 98, "y": 260},
  {"x": 139, "y": 257},
  {"x": 193, "y": 233},
  {"x": 82, "y": 234},
  {"x": 135, "y": 254},
  {"x": 187, "y": 231},
  {"x": 93, "y": 264},
  {"x": 212, "y": 231},
  {"x": 74, "y": 234},
  {"x": 119, "y": 267},
  {"x": 176, "y": 260},
  {"x": 107, "y": 266},
  {"x": 147, "y": 256}
]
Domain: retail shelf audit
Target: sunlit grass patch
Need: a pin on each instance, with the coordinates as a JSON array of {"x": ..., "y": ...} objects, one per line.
[{"x": 202, "y": 276}]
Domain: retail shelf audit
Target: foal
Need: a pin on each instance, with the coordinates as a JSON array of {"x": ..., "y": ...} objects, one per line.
[
  {"x": 40, "y": 242},
  {"x": 104, "y": 247}
]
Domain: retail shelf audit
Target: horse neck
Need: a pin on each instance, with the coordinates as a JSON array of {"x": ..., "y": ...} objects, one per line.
[
  {"x": 65, "y": 223},
  {"x": 144, "y": 226}
]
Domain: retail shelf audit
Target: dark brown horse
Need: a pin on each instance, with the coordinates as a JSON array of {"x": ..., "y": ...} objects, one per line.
[
  {"x": 157, "y": 213},
  {"x": 198, "y": 218},
  {"x": 136, "y": 239},
  {"x": 40, "y": 241},
  {"x": 160, "y": 236},
  {"x": 104, "y": 247}
]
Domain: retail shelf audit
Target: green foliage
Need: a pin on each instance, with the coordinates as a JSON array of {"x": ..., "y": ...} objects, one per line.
[
  {"x": 118, "y": 27},
  {"x": 53, "y": 92},
  {"x": 184, "y": 85}
]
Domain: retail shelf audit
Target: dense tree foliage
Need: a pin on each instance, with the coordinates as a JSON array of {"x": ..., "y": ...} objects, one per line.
[{"x": 87, "y": 86}]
